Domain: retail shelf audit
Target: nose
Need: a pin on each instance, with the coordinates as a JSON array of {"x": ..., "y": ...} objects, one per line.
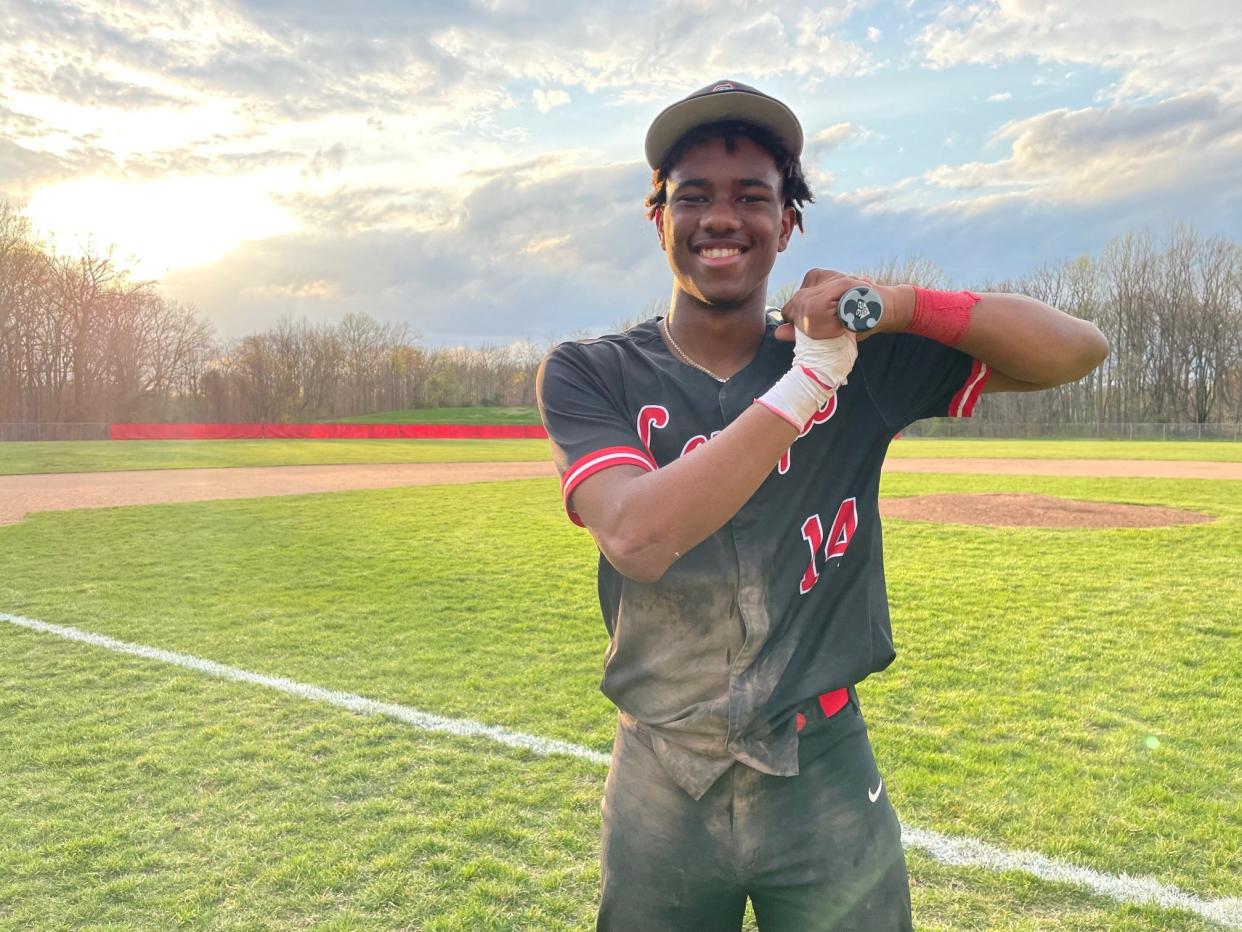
[{"x": 721, "y": 217}]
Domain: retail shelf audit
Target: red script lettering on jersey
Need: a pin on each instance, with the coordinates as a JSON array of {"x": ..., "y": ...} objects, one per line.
[
  {"x": 695, "y": 442},
  {"x": 825, "y": 413},
  {"x": 651, "y": 416}
]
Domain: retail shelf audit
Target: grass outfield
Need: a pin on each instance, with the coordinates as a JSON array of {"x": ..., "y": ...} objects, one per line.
[
  {"x": 498, "y": 415},
  {"x": 1035, "y": 670},
  {"x": 106, "y": 455},
  {"x": 1211, "y": 451}
]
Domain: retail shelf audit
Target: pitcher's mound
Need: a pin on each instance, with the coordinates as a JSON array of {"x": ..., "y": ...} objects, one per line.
[{"x": 1003, "y": 509}]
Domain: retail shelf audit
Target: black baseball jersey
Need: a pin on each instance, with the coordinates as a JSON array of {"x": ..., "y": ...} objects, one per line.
[{"x": 787, "y": 600}]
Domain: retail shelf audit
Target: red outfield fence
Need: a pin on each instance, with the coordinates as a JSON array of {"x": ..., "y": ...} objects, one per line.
[{"x": 326, "y": 432}]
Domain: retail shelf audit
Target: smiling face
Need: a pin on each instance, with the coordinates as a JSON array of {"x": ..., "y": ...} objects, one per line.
[{"x": 723, "y": 223}]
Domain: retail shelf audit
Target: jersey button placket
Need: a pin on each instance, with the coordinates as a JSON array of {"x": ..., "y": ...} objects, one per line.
[{"x": 751, "y": 594}]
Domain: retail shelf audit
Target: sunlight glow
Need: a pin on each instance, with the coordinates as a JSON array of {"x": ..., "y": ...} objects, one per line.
[{"x": 158, "y": 226}]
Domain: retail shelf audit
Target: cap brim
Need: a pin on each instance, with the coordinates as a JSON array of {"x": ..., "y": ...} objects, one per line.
[{"x": 750, "y": 107}]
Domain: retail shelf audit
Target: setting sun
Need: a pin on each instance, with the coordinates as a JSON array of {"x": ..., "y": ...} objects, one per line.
[{"x": 162, "y": 225}]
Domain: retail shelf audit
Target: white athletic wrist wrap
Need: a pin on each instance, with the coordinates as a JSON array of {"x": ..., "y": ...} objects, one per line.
[{"x": 819, "y": 369}]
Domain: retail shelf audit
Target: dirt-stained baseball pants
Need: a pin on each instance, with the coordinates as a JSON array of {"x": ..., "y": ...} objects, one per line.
[{"x": 819, "y": 851}]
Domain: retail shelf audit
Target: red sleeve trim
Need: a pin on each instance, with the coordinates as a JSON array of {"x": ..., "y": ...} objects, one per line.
[
  {"x": 598, "y": 461},
  {"x": 963, "y": 403}
]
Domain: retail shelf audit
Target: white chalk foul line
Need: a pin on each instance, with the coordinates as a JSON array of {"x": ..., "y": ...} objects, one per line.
[
  {"x": 960, "y": 852},
  {"x": 462, "y": 727},
  {"x": 968, "y": 852}
]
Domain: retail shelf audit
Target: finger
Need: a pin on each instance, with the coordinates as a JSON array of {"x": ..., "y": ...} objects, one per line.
[
  {"x": 808, "y": 297},
  {"x": 818, "y": 276},
  {"x": 827, "y": 331},
  {"x": 784, "y": 332},
  {"x": 790, "y": 307},
  {"x": 821, "y": 328},
  {"x": 812, "y": 312}
]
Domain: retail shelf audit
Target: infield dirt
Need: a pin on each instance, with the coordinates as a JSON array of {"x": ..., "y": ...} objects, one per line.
[
  {"x": 1005, "y": 509},
  {"x": 22, "y": 495}
]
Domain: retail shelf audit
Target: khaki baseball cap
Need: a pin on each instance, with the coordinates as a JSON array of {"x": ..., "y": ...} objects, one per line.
[{"x": 723, "y": 100}]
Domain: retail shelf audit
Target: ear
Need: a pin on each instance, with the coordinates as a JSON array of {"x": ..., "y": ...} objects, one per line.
[
  {"x": 658, "y": 220},
  {"x": 787, "y": 226}
]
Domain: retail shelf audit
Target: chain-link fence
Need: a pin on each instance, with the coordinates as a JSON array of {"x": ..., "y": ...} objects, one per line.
[
  {"x": 52, "y": 431},
  {"x": 971, "y": 427}
]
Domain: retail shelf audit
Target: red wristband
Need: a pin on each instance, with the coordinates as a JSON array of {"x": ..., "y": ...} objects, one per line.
[{"x": 942, "y": 315}]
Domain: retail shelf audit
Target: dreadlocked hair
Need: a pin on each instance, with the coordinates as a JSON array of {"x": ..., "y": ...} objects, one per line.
[{"x": 794, "y": 187}]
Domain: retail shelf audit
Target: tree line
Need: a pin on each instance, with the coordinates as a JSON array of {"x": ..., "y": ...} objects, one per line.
[
  {"x": 82, "y": 341},
  {"x": 1172, "y": 312}
]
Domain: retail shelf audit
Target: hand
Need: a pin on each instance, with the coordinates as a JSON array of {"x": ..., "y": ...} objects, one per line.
[{"x": 813, "y": 308}]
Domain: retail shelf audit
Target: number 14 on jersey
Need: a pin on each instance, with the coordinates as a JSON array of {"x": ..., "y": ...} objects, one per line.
[{"x": 834, "y": 545}]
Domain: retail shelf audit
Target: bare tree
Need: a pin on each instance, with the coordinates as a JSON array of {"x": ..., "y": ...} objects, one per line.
[{"x": 23, "y": 288}]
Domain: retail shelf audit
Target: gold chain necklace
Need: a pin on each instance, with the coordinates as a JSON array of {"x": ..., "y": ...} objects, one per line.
[{"x": 685, "y": 357}]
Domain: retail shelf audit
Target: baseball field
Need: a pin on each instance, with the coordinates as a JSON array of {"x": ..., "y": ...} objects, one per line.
[{"x": 378, "y": 708}]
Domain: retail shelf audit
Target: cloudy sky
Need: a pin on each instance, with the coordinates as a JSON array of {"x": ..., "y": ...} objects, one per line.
[{"x": 475, "y": 168}]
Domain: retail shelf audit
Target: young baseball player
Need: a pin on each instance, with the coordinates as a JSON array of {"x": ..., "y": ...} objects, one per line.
[{"x": 727, "y": 465}]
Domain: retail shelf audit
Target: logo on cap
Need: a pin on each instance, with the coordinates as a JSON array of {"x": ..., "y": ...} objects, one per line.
[{"x": 722, "y": 87}]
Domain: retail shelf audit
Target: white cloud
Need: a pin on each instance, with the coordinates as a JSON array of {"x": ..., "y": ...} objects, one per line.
[
  {"x": 832, "y": 137},
  {"x": 312, "y": 289},
  {"x": 401, "y": 147},
  {"x": 1172, "y": 116},
  {"x": 970, "y": 176},
  {"x": 1156, "y": 47},
  {"x": 610, "y": 46},
  {"x": 1111, "y": 154},
  {"x": 224, "y": 85},
  {"x": 821, "y": 180},
  {"x": 22, "y": 168},
  {"x": 875, "y": 195},
  {"x": 545, "y": 244},
  {"x": 512, "y": 259},
  {"x": 546, "y": 100},
  {"x": 328, "y": 159}
]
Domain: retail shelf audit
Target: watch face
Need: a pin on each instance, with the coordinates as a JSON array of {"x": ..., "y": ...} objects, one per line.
[{"x": 860, "y": 308}]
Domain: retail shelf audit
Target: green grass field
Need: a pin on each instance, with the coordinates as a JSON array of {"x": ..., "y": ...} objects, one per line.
[
  {"x": 1214, "y": 451},
  {"x": 105, "y": 455},
  {"x": 484, "y": 415},
  {"x": 1074, "y": 693},
  {"x": 102, "y": 455}
]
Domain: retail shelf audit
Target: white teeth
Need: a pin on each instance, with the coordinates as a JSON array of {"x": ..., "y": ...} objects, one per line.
[{"x": 719, "y": 253}]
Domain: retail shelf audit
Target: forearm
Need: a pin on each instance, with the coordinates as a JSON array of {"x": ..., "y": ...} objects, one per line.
[
  {"x": 1020, "y": 337},
  {"x": 650, "y": 519},
  {"x": 644, "y": 521}
]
